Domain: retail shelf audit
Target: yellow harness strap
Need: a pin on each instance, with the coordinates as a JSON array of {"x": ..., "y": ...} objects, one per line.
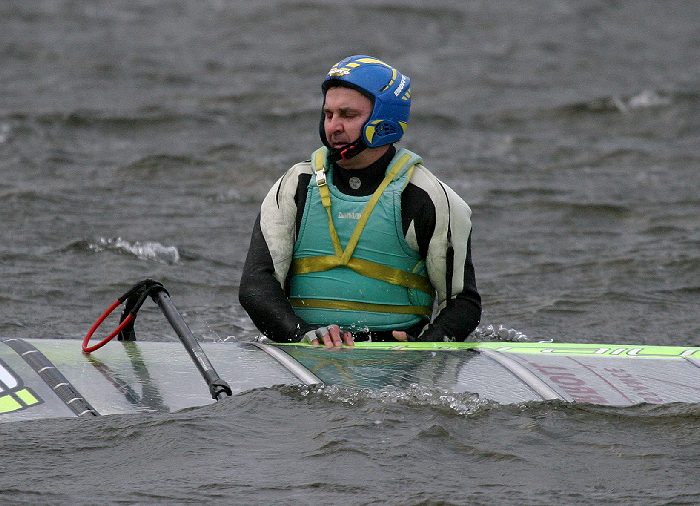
[
  {"x": 361, "y": 306},
  {"x": 320, "y": 164},
  {"x": 365, "y": 267}
]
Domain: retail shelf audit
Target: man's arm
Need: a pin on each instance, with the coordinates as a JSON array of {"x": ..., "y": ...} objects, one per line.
[
  {"x": 263, "y": 297},
  {"x": 462, "y": 313},
  {"x": 441, "y": 231},
  {"x": 262, "y": 288},
  {"x": 262, "y": 291}
]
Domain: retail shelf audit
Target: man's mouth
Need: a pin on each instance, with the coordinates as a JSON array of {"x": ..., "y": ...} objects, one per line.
[{"x": 338, "y": 143}]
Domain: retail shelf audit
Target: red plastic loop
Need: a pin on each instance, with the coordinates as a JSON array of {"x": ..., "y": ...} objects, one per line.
[{"x": 95, "y": 326}]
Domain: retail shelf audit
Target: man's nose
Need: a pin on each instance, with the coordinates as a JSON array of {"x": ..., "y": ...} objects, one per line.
[{"x": 335, "y": 124}]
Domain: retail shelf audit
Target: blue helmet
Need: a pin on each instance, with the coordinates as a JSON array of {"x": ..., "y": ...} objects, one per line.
[{"x": 387, "y": 88}]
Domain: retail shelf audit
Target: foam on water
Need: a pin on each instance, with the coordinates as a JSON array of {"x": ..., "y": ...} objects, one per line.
[
  {"x": 413, "y": 396},
  {"x": 146, "y": 250}
]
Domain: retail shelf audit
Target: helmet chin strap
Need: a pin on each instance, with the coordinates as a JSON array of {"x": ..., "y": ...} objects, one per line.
[{"x": 347, "y": 151}]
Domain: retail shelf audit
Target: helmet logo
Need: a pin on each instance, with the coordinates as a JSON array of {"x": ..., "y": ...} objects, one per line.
[
  {"x": 338, "y": 72},
  {"x": 399, "y": 89}
]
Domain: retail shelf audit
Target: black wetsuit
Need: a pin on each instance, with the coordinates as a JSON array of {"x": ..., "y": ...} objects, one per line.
[{"x": 266, "y": 301}]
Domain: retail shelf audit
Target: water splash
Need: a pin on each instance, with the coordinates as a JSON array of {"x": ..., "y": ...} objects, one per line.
[
  {"x": 496, "y": 333},
  {"x": 643, "y": 100},
  {"x": 414, "y": 395},
  {"x": 147, "y": 250},
  {"x": 648, "y": 98}
]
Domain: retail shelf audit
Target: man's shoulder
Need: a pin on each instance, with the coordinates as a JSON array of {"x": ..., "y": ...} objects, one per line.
[
  {"x": 290, "y": 179},
  {"x": 438, "y": 191},
  {"x": 300, "y": 168},
  {"x": 424, "y": 179}
]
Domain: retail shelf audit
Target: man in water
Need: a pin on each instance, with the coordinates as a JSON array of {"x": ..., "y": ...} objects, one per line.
[{"x": 362, "y": 241}]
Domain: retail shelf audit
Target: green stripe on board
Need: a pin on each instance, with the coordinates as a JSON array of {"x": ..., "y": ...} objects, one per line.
[{"x": 562, "y": 349}]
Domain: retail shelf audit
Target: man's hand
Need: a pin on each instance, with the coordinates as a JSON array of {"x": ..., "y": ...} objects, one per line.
[
  {"x": 332, "y": 337},
  {"x": 399, "y": 335}
]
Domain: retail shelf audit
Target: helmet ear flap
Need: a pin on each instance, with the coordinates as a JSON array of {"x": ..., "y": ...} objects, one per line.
[{"x": 379, "y": 132}]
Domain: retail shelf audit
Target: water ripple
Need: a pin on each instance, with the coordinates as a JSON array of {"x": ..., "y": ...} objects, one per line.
[
  {"x": 412, "y": 396},
  {"x": 146, "y": 250}
]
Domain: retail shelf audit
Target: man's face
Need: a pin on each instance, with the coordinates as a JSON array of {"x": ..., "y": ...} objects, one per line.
[{"x": 344, "y": 113}]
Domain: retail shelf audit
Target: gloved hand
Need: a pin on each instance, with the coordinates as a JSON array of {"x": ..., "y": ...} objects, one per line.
[{"x": 331, "y": 336}]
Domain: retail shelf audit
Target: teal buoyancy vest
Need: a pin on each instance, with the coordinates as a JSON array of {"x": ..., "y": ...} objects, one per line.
[{"x": 352, "y": 265}]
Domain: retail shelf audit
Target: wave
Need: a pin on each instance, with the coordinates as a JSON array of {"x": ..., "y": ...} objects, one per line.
[
  {"x": 147, "y": 250},
  {"x": 164, "y": 162},
  {"x": 412, "y": 396},
  {"x": 32, "y": 196},
  {"x": 607, "y": 104},
  {"x": 644, "y": 99},
  {"x": 144, "y": 117},
  {"x": 537, "y": 199}
]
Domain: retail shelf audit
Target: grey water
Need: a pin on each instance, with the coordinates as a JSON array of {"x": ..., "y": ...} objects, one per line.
[{"x": 137, "y": 140}]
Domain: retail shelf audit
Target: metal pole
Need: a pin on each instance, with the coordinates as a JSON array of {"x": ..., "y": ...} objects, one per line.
[{"x": 217, "y": 386}]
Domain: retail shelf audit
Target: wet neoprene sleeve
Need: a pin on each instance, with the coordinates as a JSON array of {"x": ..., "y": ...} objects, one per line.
[{"x": 263, "y": 298}]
